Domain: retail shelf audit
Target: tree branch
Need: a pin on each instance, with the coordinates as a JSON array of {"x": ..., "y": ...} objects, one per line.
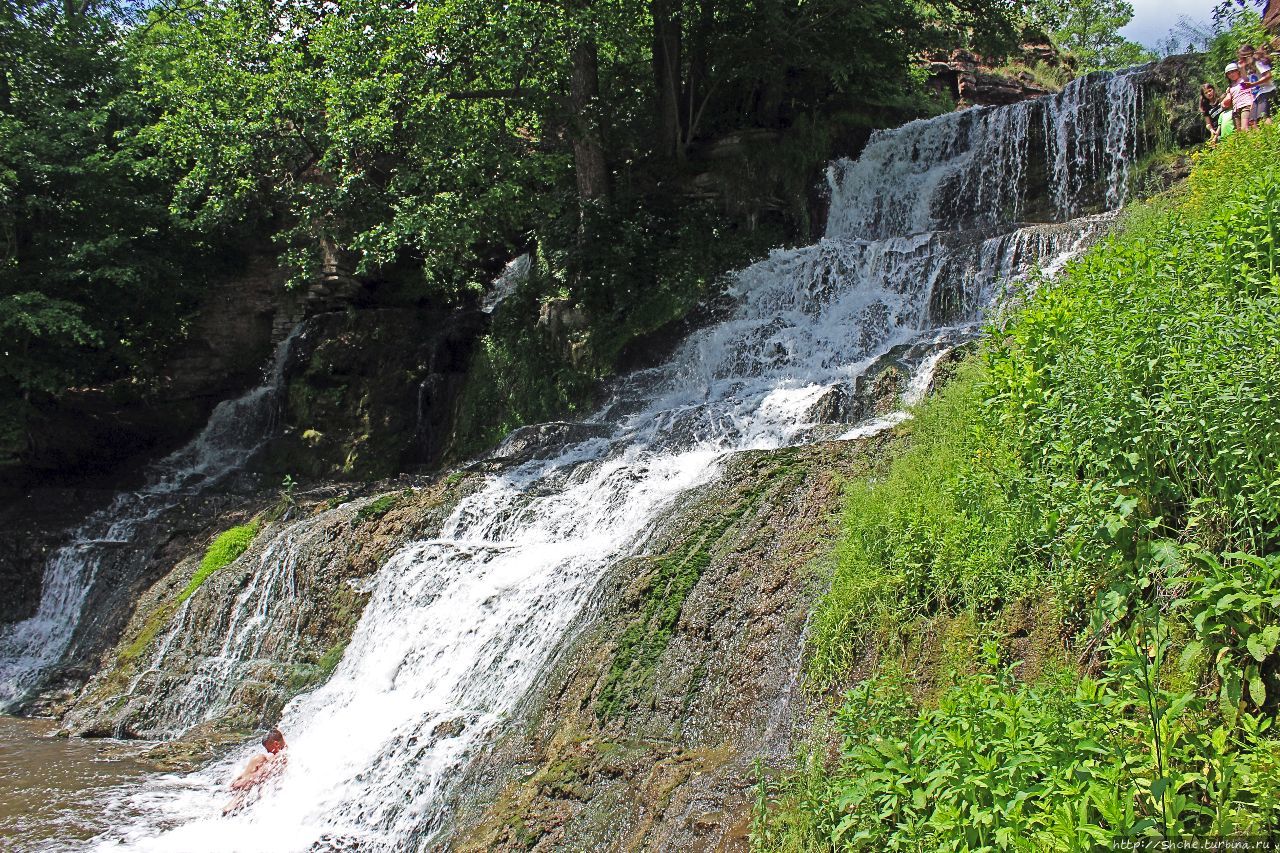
[{"x": 486, "y": 94}]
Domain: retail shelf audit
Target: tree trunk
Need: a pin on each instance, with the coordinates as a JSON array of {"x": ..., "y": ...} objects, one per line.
[
  {"x": 667, "y": 59},
  {"x": 698, "y": 83},
  {"x": 587, "y": 126}
]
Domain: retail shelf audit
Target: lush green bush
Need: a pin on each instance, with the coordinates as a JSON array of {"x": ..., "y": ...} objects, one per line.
[
  {"x": 229, "y": 545},
  {"x": 935, "y": 534},
  {"x": 1060, "y": 764},
  {"x": 1141, "y": 388},
  {"x": 1114, "y": 456}
]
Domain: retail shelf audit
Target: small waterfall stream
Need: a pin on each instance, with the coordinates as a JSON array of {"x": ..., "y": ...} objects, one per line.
[
  {"x": 236, "y": 428},
  {"x": 922, "y": 238}
]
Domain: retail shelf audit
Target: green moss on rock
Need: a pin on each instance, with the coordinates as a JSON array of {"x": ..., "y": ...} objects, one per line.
[
  {"x": 379, "y": 507},
  {"x": 225, "y": 549},
  {"x": 643, "y": 643}
]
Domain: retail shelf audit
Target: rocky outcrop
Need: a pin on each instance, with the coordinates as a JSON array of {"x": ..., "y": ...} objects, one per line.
[
  {"x": 972, "y": 80},
  {"x": 645, "y": 734},
  {"x": 373, "y": 394},
  {"x": 224, "y": 653},
  {"x": 873, "y": 393},
  {"x": 102, "y": 434},
  {"x": 543, "y": 441},
  {"x": 35, "y": 524},
  {"x": 1173, "y": 102}
]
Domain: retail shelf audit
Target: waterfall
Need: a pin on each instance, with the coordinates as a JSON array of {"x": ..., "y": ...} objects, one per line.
[
  {"x": 461, "y": 627},
  {"x": 232, "y": 633},
  {"x": 235, "y": 429}
]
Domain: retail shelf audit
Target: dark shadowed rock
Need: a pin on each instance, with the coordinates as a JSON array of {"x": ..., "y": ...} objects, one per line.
[{"x": 840, "y": 405}]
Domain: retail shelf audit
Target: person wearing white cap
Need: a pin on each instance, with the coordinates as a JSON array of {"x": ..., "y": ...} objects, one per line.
[{"x": 1241, "y": 93}]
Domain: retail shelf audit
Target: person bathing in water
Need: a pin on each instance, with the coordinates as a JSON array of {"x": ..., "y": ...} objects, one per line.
[{"x": 259, "y": 769}]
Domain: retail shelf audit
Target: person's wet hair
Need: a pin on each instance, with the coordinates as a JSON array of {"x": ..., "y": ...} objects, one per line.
[{"x": 273, "y": 736}]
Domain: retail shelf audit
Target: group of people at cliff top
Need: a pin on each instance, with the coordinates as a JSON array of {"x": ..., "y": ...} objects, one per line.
[{"x": 1248, "y": 97}]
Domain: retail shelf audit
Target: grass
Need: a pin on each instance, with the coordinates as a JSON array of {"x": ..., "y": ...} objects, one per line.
[
  {"x": 223, "y": 551},
  {"x": 1109, "y": 463},
  {"x": 1051, "y": 77},
  {"x": 380, "y": 506},
  {"x": 229, "y": 545}
]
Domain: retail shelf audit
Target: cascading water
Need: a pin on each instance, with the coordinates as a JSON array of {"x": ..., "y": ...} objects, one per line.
[
  {"x": 460, "y": 627},
  {"x": 235, "y": 429}
]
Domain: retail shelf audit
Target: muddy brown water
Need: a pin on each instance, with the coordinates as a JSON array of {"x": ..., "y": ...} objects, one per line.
[{"x": 52, "y": 789}]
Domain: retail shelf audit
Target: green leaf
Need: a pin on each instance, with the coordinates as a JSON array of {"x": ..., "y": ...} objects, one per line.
[
  {"x": 1257, "y": 647},
  {"x": 1190, "y": 654},
  {"x": 1257, "y": 691}
]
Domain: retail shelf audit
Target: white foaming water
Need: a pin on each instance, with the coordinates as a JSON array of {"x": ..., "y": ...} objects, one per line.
[
  {"x": 235, "y": 429},
  {"x": 1086, "y": 144},
  {"x": 975, "y": 167},
  {"x": 461, "y": 627},
  {"x": 515, "y": 273}
]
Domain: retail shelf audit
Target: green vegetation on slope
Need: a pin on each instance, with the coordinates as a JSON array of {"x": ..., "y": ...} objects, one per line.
[
  {"x": 222, "y": 552},
  {"x": 229, "y": 545},
  {"x": 1097, "y": 498},
  {"x": 380, "y": 506}
]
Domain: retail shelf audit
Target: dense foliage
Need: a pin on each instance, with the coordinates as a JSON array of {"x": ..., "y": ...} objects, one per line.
[
  {"x": 145, "y": 147},
  {"x": 95, "y": 273},
  {"x": 1109, "y": 465}
]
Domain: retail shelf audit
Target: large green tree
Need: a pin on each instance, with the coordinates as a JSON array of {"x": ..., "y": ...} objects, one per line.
[
  {"x": 415, "y": 144},
  {"x": 431, "y": 132},
  {"x": 1089, "y": 30},
  {"x": 91, "y": 267}
]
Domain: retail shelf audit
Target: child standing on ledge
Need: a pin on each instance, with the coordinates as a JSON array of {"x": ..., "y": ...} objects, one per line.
[{"x": 1241, "y": 92}]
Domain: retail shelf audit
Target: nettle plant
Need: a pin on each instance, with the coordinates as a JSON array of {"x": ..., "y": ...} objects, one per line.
[{"x": 1233, "y": 605}]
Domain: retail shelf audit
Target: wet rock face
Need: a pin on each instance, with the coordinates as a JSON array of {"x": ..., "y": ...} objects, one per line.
[
  {"x": 374, "y": 393},
  {"x": 542, "y": 441},
  {"x": 1174, "y": 96},
  {"x": 34, "y": 525},
  {"x": 874, "y": 393},
  {"x": 644, "y": 735},
  {"x": 212, "y": 660}
]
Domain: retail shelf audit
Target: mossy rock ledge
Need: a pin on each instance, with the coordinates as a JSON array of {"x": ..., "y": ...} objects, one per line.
[{"x": 311, "y": 564}]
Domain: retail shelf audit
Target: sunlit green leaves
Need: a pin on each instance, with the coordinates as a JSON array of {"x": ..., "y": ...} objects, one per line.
[{"x": 1128, "y": 423}]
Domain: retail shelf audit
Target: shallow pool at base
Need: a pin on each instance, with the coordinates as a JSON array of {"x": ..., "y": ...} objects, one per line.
[{"x": 49, "y": 785}]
